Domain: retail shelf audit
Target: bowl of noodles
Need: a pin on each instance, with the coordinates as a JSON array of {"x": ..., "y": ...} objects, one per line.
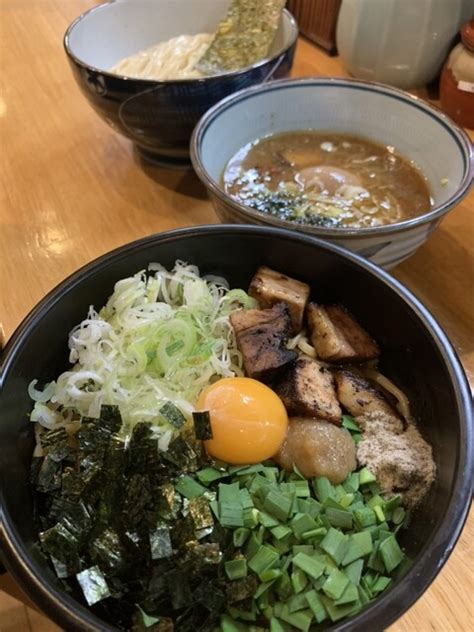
[
  {"x": 102, "y": 468},
  {"x": 151, "y": 69}
]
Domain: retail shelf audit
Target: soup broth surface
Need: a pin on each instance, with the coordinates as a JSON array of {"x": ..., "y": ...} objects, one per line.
[{"x": 326, "y": 179}]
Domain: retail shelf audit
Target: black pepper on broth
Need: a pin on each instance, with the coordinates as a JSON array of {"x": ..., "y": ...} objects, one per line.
[{"x": 326, "y": 179}]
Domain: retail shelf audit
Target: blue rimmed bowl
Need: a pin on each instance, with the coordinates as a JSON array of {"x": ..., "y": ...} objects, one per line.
[
  {"x": 159, "y": 116},
  {"x": 385, "y": 115}
]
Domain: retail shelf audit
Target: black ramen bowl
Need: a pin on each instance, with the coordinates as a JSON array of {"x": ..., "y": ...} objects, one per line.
[
  {"x": 417, "y": 356},
  {"x": 159, "y": 116}
]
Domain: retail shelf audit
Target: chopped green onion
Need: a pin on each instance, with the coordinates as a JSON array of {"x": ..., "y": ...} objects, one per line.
[
  {"x": 230, "y": 515},
  {"x": 391, "y": 553},
  {"x": 189, "y": 487},
  {"x": 335, "y": 584},
  {"x": 349, "y": 423},
  {"x": 349, "y": 595},
  {"x": 381, "y": 584},
  {"x": 339, "y": 612},
  {"x": 398, "y": 515},
  {"x": 335, "y": 544},
  {"x": 300, "y": 620},
  {"x": 266, "y": 520},
  {"x": 316, "y": 605},
  {"x": 264, "y": 558},
  {"x": 229, "y": 492},
  {"x": 280, "y": 532},
  {"x": 230, "y": 625},
  {"x": 322, "y": 488},
  {"x": 209, "y": 475},
  {"x": 365, "y": 517},
  {"x": 236, "y": 569},
  {"x": 302, "y": 523},
  {"x": 299, "y": 580},
  {"x": 310, "y": 565},
  {"x": 360, "y": 545},
  {"x": 379, "y": 513},
  {"x": 277, "y": 626},
  {"x": 339, "y": 518},
  {"x": 302, "y": 489},
  {"x": 314, "y": 534},
  {"x": 365, "y": 476},
  {"x": 277, "y": 505},
  {"x": 269, "y": 574},
  {"x": 250, "y": 517},
  {"x": 353, "y": 571},
  {"x": 240, "y": 536},
  {"x": 297, "y": 602}
]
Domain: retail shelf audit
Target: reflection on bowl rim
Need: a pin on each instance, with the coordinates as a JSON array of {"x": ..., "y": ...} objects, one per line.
[
  {"x": 458, "y": 134},
  {"x": 225, "y": 75}
]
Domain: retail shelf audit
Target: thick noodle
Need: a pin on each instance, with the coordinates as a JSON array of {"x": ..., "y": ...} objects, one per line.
[
  {"x": 403, "y": 404},
  {"x": 173, "y": 59}
]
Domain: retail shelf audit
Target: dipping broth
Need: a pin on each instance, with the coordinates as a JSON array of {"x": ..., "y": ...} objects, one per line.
[{"x": 326, "y": 179}]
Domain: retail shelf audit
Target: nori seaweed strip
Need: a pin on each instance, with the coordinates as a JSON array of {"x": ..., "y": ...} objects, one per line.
[
  {"x": 211, "y": 593},
  {"x": 173, "y": 415},
  {"x": 93, "y": 585},
  {"x": 107, "y": 551},
  {"x": 55, "y": 444},
  {"x": 243, "y": 37},
  {"x": 36, "y": 463},
  {"x": 160, "y": 542},
  {"x": 167, "y": 501},
  {"x": 48, "y": 478},
  {"x": 110, "y": 497},
  {"x": 202, "y": 425},
  {"x": 181, "y": 454},
  {"x": 135, "y": 498},
  {"x": 110, "y": 417},
  {"x": 179, "y": 588},
  {"x": 200, "y": 513},
  {"x": 92, "y": 438},
  {"x": 60, "y": 543}
]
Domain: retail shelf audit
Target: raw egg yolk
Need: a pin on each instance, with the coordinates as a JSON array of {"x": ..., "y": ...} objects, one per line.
[{"x": 248, "y": 420}]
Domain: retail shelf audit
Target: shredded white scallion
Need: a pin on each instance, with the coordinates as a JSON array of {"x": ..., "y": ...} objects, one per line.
[{"x": 162, "y": 336}]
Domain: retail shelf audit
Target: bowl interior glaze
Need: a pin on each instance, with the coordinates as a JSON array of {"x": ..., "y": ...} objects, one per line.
[{"x": 416, "y": 355}]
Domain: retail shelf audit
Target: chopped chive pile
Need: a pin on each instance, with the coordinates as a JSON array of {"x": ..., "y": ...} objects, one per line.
[{"x": 165, "y": 541}]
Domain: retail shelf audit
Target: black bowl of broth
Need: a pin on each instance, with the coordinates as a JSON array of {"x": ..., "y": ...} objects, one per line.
[
  {"x": 364, "y": 165},
  {"x": 418, "y": 357}
]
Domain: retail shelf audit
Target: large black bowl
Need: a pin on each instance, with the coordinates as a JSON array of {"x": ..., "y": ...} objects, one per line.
[
  {"x": 416, "y": 355},
  {"x": 159, "y": 116}
]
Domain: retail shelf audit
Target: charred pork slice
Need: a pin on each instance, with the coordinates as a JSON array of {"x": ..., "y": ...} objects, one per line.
[
  {"x": 337, "y": 336},
  {"x": 307, "y": 389},
  {"x": 261, "y": 337},
  {"x": 269, "y": 287},
  {"x": 359, "y": 397}
]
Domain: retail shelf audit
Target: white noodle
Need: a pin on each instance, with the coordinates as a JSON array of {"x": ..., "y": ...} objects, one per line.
[{"x": 174, "y": 59}]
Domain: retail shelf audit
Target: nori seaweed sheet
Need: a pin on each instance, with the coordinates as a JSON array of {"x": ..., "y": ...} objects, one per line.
[
  {"x": 118, "y": 535},
  {"x": 243, "y": 37}
]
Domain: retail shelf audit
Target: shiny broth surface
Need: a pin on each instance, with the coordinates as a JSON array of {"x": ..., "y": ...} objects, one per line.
[{"x": 326, "y": 179}]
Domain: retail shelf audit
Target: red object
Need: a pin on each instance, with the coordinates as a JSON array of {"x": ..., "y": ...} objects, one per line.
[{"x": 457, "y": 88}]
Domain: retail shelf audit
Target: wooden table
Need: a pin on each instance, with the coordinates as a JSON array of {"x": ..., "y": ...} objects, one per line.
[{"x": 72, "y": 190}]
